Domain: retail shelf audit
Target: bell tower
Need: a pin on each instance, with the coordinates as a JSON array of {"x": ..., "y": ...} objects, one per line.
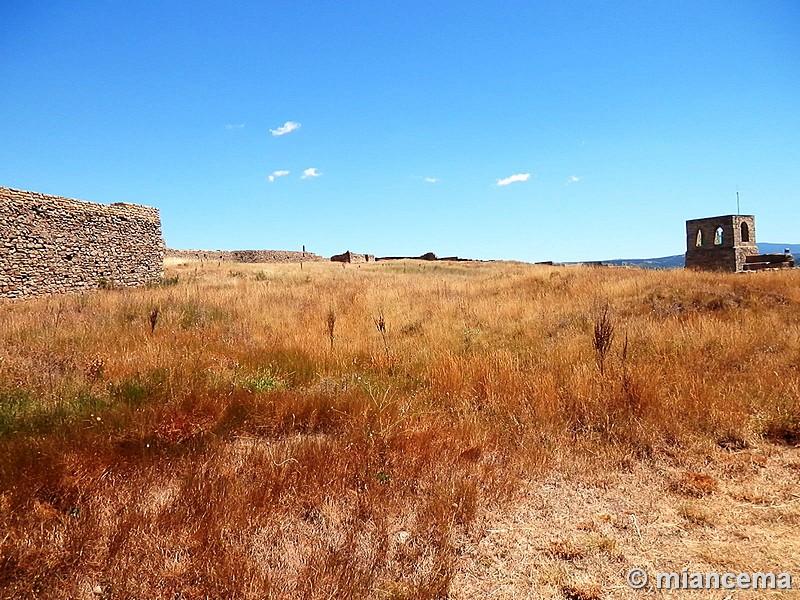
[{"x": 720, "y": 243}]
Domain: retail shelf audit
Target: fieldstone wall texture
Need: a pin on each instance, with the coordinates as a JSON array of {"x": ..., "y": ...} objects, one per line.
[
  {"x": 245, "y": 256},
  {"x": 352, "y": 257},
  {"x": 720, "y": 243},
  {"x": 50, "y": 244}
]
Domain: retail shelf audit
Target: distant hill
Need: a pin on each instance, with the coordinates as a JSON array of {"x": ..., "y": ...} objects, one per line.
[
  {"x": 664, "y": 262},
  {"x": 677, "y": 261}
]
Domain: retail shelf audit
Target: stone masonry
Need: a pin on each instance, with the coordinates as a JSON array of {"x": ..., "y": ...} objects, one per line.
[
  {"x": 352, "y": 257},
  {"x": 50, "y": 244},
  {"x": 720, "y": 243},
  {"x": 245, "y": 256},
  {"x": 728, "y": 243}
]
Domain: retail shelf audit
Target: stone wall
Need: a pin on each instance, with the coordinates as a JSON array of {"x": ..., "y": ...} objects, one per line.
[
  {"x": 245, "y": 256},
  {"x": 737, "y": 243},
  {"x": 352, "y": 257},
  {"x": 430, "y": 256},
  {"x": 758, "y": 262},
  {"x": 50, "y": 244}
]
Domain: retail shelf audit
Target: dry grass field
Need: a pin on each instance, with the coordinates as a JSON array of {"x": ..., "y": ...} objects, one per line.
[{"x": 399, "y": 430}]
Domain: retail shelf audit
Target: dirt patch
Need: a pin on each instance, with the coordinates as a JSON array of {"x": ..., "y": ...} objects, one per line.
[{"x": 576, "y": 536}]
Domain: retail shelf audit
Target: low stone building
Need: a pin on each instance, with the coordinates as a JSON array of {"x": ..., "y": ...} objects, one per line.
[
  {"x": 728, "y": 243},
  {"x": 352, "y": 257},
  {"x": 52, "y": 244}
]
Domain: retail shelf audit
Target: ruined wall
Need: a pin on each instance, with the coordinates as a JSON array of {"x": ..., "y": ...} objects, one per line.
[
  {"x": 352, "y": 257},
  {"x": 245, "y": 256},
  {"x": 758, "y": 262},
  {"x": 50, "y": 244},
  {"x": 738, "y": 242}
]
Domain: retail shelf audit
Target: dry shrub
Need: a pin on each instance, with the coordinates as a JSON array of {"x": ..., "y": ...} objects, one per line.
[
  {"x": 696, "y": 514},
  {"x": 694, "y": 484},
  {"x": 582, "y": 592},
  {"x": 587, "y": 545},
  {"x": 784, "y": 423},
  {"x": 566, "y": 550}
]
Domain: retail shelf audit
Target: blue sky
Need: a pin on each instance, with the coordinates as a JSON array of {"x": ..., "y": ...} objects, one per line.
[{"x": 619, "y": 120}]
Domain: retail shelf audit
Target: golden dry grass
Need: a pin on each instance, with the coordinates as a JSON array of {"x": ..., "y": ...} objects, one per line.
[{"x": 396, "y": 430}]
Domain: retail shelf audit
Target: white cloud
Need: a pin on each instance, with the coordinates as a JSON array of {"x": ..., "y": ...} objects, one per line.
[
  {"x": 232, "y": 126},
  {"x": 514, "y": 178},
  {"x": 431, "y": 179},
  {"x": 276, "y": 174},
  {"x": 287, "y": 127},
  {"x": 572, "y": 179},
  {"x": 312, "y": 172}
]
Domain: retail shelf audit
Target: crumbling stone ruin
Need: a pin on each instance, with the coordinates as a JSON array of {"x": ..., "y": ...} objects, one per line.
[
  {"x": 245, "y": 256},
  {"x": 352, "y": 257},
  {"x": 51, "y": 244},
  {"x": 430, "y": 256},
  {"x": 728, "y": 243}
]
